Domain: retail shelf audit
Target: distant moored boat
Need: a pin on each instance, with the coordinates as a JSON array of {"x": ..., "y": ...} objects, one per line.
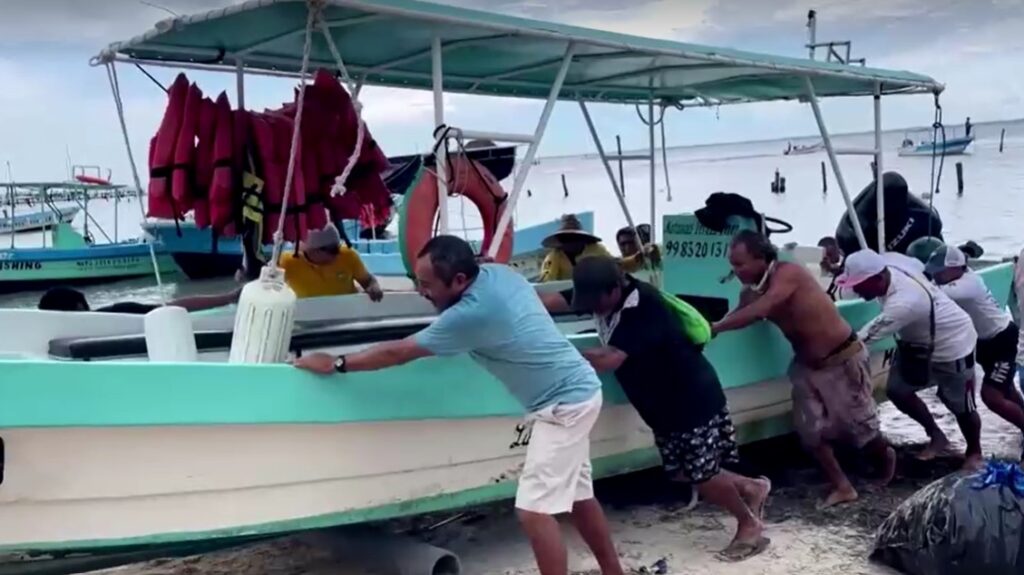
[{"x": 950, "y": 147}]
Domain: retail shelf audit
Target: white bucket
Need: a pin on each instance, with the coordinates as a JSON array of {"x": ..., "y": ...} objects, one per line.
[{"x": 169, "y": 335}]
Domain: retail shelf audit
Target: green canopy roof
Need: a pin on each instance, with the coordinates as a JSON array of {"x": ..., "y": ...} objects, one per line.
[{"x": 388, "y": 43}]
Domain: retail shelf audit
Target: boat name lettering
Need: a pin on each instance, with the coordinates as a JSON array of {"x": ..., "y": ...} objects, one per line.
[
  {"x": 696, "y": 249},
  {"x": 522, "y": 432},
  {"x": 18, "y": 266},
  {"x": 695, "y": 228},
  {"x": 107, "y": 262}
]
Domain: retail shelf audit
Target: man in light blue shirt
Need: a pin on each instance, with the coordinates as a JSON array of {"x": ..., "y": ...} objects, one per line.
[{"x": 493, "y": 314}]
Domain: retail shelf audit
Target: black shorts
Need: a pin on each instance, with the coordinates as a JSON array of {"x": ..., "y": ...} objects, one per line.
[
  {"x": 697, "y": 455},
  {"x": 998, "y": 358}
]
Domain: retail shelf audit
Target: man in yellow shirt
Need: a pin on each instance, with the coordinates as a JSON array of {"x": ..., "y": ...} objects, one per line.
[
  {"x": 325, "y": 267},
  {"x": 634, "y": 253},
  {"x": 568, "y": 245}
]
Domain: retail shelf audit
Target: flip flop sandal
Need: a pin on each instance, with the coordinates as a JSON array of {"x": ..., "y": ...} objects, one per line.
[{"x": 742, "y": 551}]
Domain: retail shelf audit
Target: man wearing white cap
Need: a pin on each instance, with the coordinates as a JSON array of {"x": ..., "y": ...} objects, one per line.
[
  {"x": 997, "y": 333},
  {"x": 325, "y": 267},
  {"x": 934, "y": 346}
]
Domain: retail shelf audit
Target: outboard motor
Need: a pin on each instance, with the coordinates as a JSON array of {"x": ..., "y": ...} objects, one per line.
[{"x": 907, "y": 218}]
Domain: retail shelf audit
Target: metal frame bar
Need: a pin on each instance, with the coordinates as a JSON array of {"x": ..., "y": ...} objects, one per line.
[
  {"x": 445, "y": 46},
  {"x": 650, "y": 71},
  {"x": 498, "y": 136},
  {"x": 653, "y": 148},
  {"x": 607, "y": 166},
  {"x": 531, "y": 151},
  {"x": 240, "y": 83},
  {"x": 441, "y": 154},
  {"x": 827, "y": 140},
  {"x": 543, "y": 65},
  {"x": 330, "y": 24},
  {"x": 879, "y": 171}
]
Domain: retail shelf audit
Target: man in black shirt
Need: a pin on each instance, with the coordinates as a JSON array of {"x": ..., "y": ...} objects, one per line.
[
  {"x": 68, "y": 299},
  {"x": 673, "y": 387}
]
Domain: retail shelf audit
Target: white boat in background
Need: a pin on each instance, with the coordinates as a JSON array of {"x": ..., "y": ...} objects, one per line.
[
  {"x": 799, "y": 150},
  {"x": 950, "y": 147},
  {"x": 38, "y": 220}
]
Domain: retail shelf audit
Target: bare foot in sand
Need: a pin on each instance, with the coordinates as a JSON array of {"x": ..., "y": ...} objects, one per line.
[
  {"x": 888, "y": 469},
  {"x": 839, "y": 497},
  {"x": 755, "y": 494},
  {"x": 973, "y": 462},
  {"x": 939, "y": 445}
]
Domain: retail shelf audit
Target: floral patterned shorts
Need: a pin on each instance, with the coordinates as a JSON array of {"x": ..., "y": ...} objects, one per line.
[{"x": 697, "y": 455}]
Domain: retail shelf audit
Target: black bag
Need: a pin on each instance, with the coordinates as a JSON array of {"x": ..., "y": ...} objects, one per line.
[
  {"x": 915, "y": 360},
  {"x": 959, "y": 525}
]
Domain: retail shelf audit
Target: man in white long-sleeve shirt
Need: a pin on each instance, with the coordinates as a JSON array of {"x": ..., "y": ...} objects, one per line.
[
  {"x": 997, "y": 332},
  {"x": 935, "y": 345},
  {"x": 1017, "y": 308}
]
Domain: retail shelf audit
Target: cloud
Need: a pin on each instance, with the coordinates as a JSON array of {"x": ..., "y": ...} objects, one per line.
[{"x": 90, "y": 23}]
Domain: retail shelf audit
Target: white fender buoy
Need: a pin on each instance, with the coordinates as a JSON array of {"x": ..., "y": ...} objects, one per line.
[
  {"x": 169, "y": 335},
  {"x": 264, "y": 320}
]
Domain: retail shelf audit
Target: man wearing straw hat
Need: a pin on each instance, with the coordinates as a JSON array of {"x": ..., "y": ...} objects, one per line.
[{"x": 568, "y": 245}]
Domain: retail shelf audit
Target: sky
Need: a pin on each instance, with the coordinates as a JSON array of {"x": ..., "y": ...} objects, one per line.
[{"x": 54, "y": 106}]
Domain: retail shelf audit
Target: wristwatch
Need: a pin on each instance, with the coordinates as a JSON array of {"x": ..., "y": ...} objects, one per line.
[{"x": 339, "y": 364}]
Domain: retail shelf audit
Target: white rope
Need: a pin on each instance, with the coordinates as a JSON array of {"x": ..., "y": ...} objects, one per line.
[
  {"x": 314, "y": 9},
  {"x": 115, "y": 88},
  {"x": 339, "y": 189}
]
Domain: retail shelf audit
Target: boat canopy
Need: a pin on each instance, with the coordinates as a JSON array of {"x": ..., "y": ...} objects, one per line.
[{"x": 389, "y": 43}]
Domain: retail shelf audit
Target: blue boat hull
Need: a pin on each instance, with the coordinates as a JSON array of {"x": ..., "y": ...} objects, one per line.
[
  {"x": 39, "y": 268},
  {"x": 199, "y": 257}
]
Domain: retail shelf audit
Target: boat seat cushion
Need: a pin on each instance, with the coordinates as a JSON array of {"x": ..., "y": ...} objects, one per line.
[{"x": 337, "y": 335}]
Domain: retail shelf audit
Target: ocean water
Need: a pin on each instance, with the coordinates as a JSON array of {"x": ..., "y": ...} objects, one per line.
[{"x": 990, "y": 212}]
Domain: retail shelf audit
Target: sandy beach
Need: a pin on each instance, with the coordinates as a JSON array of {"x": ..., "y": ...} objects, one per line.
[{"x": 654, "y": 531}]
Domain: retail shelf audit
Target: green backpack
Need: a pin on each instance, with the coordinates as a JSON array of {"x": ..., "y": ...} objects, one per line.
[{"x": 693, "y": 323}]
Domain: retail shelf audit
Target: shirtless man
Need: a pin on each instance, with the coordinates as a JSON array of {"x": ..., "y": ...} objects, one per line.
[{"x": 832, "y": 394}]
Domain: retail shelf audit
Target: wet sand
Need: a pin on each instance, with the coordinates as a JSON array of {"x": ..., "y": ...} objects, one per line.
[{"x": 651, "y": 524}]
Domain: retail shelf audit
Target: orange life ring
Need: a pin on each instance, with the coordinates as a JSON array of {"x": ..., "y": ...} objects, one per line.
[{"x": 466, "y": 178}]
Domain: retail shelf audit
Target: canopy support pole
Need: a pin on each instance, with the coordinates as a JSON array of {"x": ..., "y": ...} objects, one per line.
[
  {"x": 531, "y": 150},
  {"x": 827, "y": 140},
  {"x": 608, "y": 170},
  {"x": 879, "y": 181},
  {"x": 650, "y": 130},
  {"x": 240, "y": 83},
  {"x": 441, "y": 152}
]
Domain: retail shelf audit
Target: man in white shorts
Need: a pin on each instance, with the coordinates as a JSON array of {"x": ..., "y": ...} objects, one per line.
[
  {"x": 997, "y": 332},
  {"x": 935, "y": 342},
  {"x": 493, "y": 314}
]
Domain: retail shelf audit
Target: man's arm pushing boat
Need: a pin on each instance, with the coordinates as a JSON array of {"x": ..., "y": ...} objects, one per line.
[
  {"x": 752, "y": 310},
  {"x": 380, "y": 356}
]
